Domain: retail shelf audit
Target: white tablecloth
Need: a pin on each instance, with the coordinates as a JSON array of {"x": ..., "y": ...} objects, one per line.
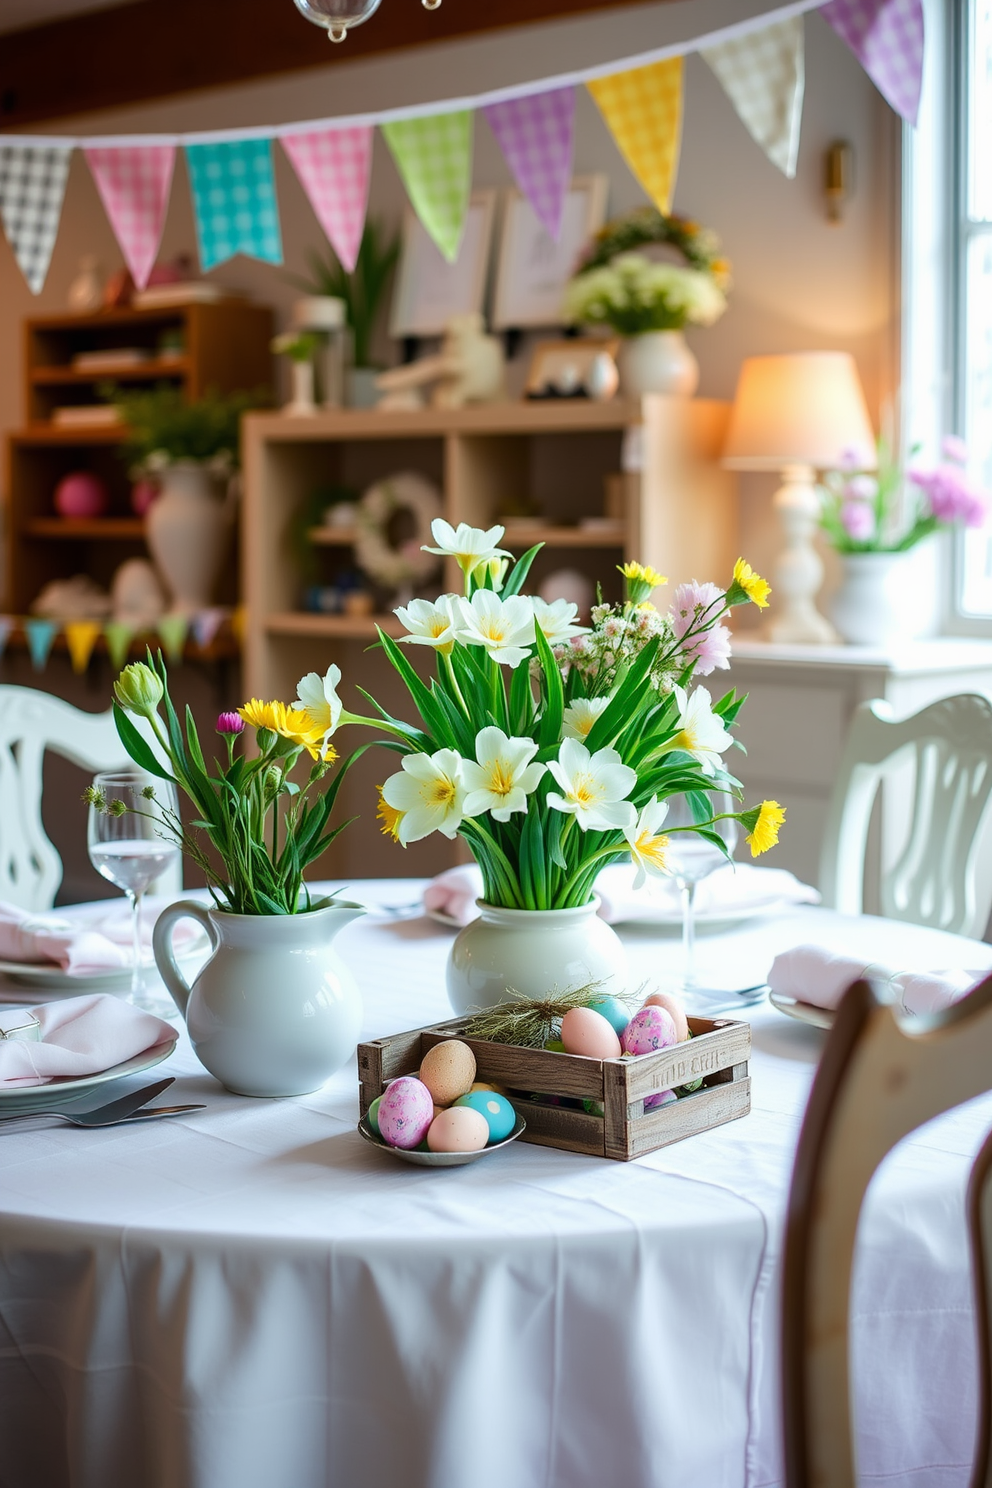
[{"x": 251, "y": 1297}]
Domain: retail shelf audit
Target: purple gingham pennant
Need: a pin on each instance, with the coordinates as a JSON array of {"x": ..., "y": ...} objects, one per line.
[
  {"x": 536, "y": 136},
  {"x": 886, "y": 36}
]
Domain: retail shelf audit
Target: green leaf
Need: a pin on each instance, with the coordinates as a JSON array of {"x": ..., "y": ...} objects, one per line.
[
  {"x": 625, "y": 701},
  {"x": 422, "y": 699},
  {"x": 137, "y": 748},
  {"x": 549, "y": 731},
  {"x": 517, "y": 576}
]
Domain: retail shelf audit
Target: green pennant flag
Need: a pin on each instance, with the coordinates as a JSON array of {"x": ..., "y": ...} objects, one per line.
[
  {"x": 173, "y": 630},
  {"x": 434, "y": 157},
  {"x": 118, "y": 635}
]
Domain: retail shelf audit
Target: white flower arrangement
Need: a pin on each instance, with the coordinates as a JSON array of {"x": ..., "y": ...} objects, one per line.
[{"x": 633, "y": 295}]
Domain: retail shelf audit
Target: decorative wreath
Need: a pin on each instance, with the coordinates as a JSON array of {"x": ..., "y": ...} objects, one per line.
[
  {"x": 699, "y": 246},
  {"x": 395, "y": 567}
]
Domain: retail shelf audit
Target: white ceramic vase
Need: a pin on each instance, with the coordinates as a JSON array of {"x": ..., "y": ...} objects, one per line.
[
  {"x": 303, "y": 403},
  {"x": 657, "y": 362},
  {"x": 188, "y": 530},
  {"x": 532, "y": 952},
  {"x": 274, "y": 1012},
  {"x": 877, "y": 602}
]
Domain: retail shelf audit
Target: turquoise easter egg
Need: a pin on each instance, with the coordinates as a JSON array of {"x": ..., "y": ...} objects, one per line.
[
  {"x": 613, "y": 1010},
  {"x": 496, "y": 1109},
  {"x": 372, "y": 1115}
]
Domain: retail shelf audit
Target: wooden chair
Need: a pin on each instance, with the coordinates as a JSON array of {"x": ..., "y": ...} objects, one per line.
[
  {"x": 881, "y": 1077},
  {"x": 934, "y": 880},
  {"x": 30, "y": 723}
]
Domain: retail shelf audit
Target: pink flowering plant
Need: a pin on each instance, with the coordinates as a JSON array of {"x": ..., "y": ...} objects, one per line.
[
  {"x": 887, "y": 510},
  {"x": 552, "y": 748}
]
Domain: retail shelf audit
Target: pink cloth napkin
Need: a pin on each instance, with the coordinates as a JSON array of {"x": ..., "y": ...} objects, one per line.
[
  {"x": 728, "y": 890},
  {"x": 81, "y": 1036},
  {"x": 808, "y": 973},
  {"x": 81, "y": 947}
]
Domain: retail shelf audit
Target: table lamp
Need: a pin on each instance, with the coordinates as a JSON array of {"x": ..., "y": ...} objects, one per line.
[{"x": 798, "y": 414}]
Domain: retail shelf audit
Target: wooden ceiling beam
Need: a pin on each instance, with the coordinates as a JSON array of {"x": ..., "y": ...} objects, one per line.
[{"x": 159, "y": 48}]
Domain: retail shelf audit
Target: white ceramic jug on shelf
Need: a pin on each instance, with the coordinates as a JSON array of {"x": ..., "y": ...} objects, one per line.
[{"x": 188, "y": 530}]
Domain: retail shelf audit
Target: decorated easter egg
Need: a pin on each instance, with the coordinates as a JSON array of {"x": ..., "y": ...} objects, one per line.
[
  {"x": 555, "y": 1046},
  {"x": 674, "y": 1008},
  {"x": 496, "y": 1109},
  {"x": 593, "y": 1107},
  {"x": 613, "y": 1010},
  {"x": 372, "y": 1115},
  {"x": 81, "y": 494},
  {"x": 458, "y": 1129},
  {"x": 405, "y": 1112},
  {"x": 652, "y": 1028},
  {"x": 448, "y": 1071},
  {"x": 660, "y": 1098},
  {"x": 484, "y": 1085},
  {"x": 589, "y": 1033}
]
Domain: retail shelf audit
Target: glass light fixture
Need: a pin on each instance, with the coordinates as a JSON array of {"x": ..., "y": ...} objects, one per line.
[{"x": 339, "y": 16}]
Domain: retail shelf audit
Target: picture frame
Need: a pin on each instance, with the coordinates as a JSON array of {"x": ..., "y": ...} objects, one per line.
[
  {"x": 533, "y": 269},
  {"x": 429, "y": 290},
  {"x": 571, "y": 356}
]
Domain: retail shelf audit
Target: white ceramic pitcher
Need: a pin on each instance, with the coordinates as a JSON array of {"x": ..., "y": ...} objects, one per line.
[{"x": 274, "y": 1011}]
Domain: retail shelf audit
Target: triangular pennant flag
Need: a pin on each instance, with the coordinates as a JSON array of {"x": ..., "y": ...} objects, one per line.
[
  {"x": 334, "y": 167},
  {"x": 536, "y": 135},
  {"x": 133, "y": 182},
  {"x": 886, "y": 36},
  {"x": 118, "y": 635},
  {"x": 205, "y": 625},
  {"x": 32, "y": 188},
  {"x": 434, "y": 157},
  {"x": 239, "y": 624},
  {"x": 763, "y": 75},
  {"x": 234, "y": 199},
  {"x": 40, "y": 636},
  {"x": 7, "y": 623},
  {"x": 173, "y": 630},
  {"x": 643, "y": 111},
  {"x": 80, "y": 637}
]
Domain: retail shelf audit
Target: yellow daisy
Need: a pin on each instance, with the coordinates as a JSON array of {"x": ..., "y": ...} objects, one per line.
[
  {"x": 389, "y": 816},
  {"x": 294, "y": 724},
  {"x": 755, "y": 587},
  {"x": 260, "y": 715},
  {"x": 764, "y": 833},
  {"x": 645, "y": 573}
]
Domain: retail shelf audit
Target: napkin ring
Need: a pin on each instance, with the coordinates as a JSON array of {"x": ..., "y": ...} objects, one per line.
[{"x": 27, "y": 1028}]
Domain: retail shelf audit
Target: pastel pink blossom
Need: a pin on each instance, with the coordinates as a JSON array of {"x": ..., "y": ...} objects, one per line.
[
  {"x": 858, "y": 520},
  {"x": 230, "y": 723},
  {"x": 954, "y": 449},
  {"x": 711, "y": 650},
  {"x": 951, "y": 497},
  {"x": 861, "y": 488},
  {"x": 691, "y": 604}
]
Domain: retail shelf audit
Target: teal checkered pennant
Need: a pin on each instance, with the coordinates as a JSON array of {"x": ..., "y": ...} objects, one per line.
[
  {"x": 234, "y": 198},
  {"x": 434, "y": 157}
]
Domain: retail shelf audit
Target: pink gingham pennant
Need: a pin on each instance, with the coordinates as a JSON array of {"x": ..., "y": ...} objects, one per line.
[
  {"x": 333, "y": 166},
  {"x": 886, "y": 36},
  {"x": 536, "y": 135},
  {"x": 133, "y": 182}
]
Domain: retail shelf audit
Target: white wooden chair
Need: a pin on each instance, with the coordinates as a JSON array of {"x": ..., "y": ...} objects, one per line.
[
  {"x": 880, "y": 1078},
  {"x": 933, "y": 881},
  {"x": 30, "y": 723}
]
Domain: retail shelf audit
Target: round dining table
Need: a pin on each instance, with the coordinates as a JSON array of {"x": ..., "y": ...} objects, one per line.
[{"x": 252, "y": 1296}]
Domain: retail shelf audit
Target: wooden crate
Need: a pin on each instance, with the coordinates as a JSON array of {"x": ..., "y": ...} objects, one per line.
[{"x": 717, "y": 1053}]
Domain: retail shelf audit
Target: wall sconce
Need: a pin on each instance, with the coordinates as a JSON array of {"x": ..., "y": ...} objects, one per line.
[{"x": 838, "y": 178}]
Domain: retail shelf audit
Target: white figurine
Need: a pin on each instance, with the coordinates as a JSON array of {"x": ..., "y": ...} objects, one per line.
[
  {"x": 469, "y": 368},
  {"x": 137, "y": 593}
]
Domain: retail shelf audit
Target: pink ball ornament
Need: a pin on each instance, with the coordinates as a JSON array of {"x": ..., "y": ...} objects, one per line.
[{"x": 81, "y": 494}]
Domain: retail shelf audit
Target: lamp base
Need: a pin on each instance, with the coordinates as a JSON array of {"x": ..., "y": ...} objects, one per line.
[{"x": 799, "y": 571}]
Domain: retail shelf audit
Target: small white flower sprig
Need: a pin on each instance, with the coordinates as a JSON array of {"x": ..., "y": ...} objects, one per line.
[{"x": 552, "y": 747}]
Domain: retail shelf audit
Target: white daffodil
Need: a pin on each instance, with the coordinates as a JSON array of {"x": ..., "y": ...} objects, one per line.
[
  {"x": 647, "y": 846},
  {"x": 594, "y": 787},
  {"x": 504, "y": 776},
  {"x": 557, "y": 620},
  {"x": 469, "y": 546},
  {"x": 579, "y": 717},
  {"x": 429, "y": 794},
  {"x": 701, "y": 733},
  {"x": 504, "y": 626},
  {"x": 429, "y": 624},
  {"x": 318, "y": 697}
]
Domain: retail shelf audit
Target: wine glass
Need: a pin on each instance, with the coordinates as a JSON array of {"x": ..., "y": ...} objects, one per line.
[
  {"x": 691, "y": 859},
  {"x": 131, "y": 844}
]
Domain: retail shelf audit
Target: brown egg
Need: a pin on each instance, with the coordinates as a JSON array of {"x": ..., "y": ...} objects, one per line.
[
  {"x": 484, "y": 1085},
  {"x": 584, "y": 1031},
  {"x": 459, "y": 1130},
  {"x": 448, "y": 1071},
  {"x": 675, "y": 1010}
]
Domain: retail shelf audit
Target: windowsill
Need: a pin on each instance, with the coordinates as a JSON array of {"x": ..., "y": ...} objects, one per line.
[{"x": 942, "y": 653}]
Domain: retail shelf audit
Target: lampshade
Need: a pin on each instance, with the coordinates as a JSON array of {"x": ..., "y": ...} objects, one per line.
[{"x": 803, "y": 409}]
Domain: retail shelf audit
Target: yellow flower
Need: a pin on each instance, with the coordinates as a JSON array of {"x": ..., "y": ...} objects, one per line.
[
  {"x": 260, "y": 715},
  {"x": 764, "y": 832},
  {"x": 753, "y": 585},
  {"x": 641, "y": 580},
  {"x": 294, "y": 724},
  {"x": 389, "y": 816}
]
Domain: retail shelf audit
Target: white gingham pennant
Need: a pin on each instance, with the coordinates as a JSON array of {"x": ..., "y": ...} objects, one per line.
[
  {"x": 763, "y": 75},
  {"x": 32, "y": 189}
]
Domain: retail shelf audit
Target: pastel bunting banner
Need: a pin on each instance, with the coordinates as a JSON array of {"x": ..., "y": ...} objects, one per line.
[
  {"x": 536, "y": 135},
  {"x": 334, "y": 166},
  {"x": 205, "y": 625},
  {"x": 886, "y": 36},
  {"x": 643, "y": 112},
  {"x": 32, "y": 190},
  {"x": 118, "y": 635},
  {"x": 7, "y": 623},
  {"x": 134, "y": 183},
  {"x": 81, "y": 637},
  {"x": 40, "y": 638},
  {"x": 173, "y": 630},
  {"x": 234, "y": 201},
  {"x": 434, "y": 157},
  {"x": 763, "y": 75}
]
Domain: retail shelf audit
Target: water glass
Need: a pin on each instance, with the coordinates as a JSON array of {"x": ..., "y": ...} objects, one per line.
[{"x": 692, "y": 858}]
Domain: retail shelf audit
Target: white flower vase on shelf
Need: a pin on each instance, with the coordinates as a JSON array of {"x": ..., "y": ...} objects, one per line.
[
  {"x": 188, "y": 531},
  {"x": 303, "y": 403},
  {"x": 532, "y": 953},
  {"x": 877, "y": 602},
  {"x": 657, "y": 362}
]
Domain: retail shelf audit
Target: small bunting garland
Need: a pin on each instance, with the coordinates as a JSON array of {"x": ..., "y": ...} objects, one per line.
[
  {"x": 434, "y": 157},
  {"x": 80, "y": 637},
  {"x": 40, "y": 636},
  {"x": 334, "y": 167},
  {"x": 118, "y": 636},
  {"x": 173, "y": 630},
  {"x": 643, "y": 111}
]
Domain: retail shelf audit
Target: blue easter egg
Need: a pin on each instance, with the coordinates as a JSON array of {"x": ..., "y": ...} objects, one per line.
[
  {"x": 613, "y": 1010},
  {"x": 496, "y": 1109}
]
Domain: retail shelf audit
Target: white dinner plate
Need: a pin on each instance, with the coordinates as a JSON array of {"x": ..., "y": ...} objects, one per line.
[
  {"x": 439, "y": 1159},
  {"x": 60, "y": 1092},
  {"x": 804, "y": 1012},
  {"x": 665, "y": 918},
  {"x": 54, "y": 979}
]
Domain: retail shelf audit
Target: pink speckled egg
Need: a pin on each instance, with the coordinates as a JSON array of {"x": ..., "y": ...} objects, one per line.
[
  {"x": 584, "y": 1031},
  {"x": 660, "y": 1098},
  {"x": 81, "y": 494},
  {"x": 650, "y": 1029},
  {"x": 674, "y": 1008},
  {"x": 405, "y": 1112}
]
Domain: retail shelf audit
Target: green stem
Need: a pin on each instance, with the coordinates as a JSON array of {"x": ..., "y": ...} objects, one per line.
[
  {"x": 604, "y": 852},
  {"x": 449, "y": 668}
]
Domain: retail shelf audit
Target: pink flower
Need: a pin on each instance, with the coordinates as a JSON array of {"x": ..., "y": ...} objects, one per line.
[
  {"x": 711, "y": 649},
  {"x": 690, "y": 602},
  {"x": 954, "y": 449},
  {"x": 950, "y": 497},
  {"x": 698, "y": 604},
  {"x": 861, "y": 488},
  {"x": 858, "y": 521},
  {"x": 230, "y": 723}
]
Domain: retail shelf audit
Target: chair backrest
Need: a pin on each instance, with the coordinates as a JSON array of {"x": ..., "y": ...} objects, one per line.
[
  {"x": 30, "y": 723},
  {"x": 881, "y": 1076},
  {"x": 933, "y": 881}
]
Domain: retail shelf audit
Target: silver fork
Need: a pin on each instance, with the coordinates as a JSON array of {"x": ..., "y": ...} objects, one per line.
[{"x": 114, "y": 1113}]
